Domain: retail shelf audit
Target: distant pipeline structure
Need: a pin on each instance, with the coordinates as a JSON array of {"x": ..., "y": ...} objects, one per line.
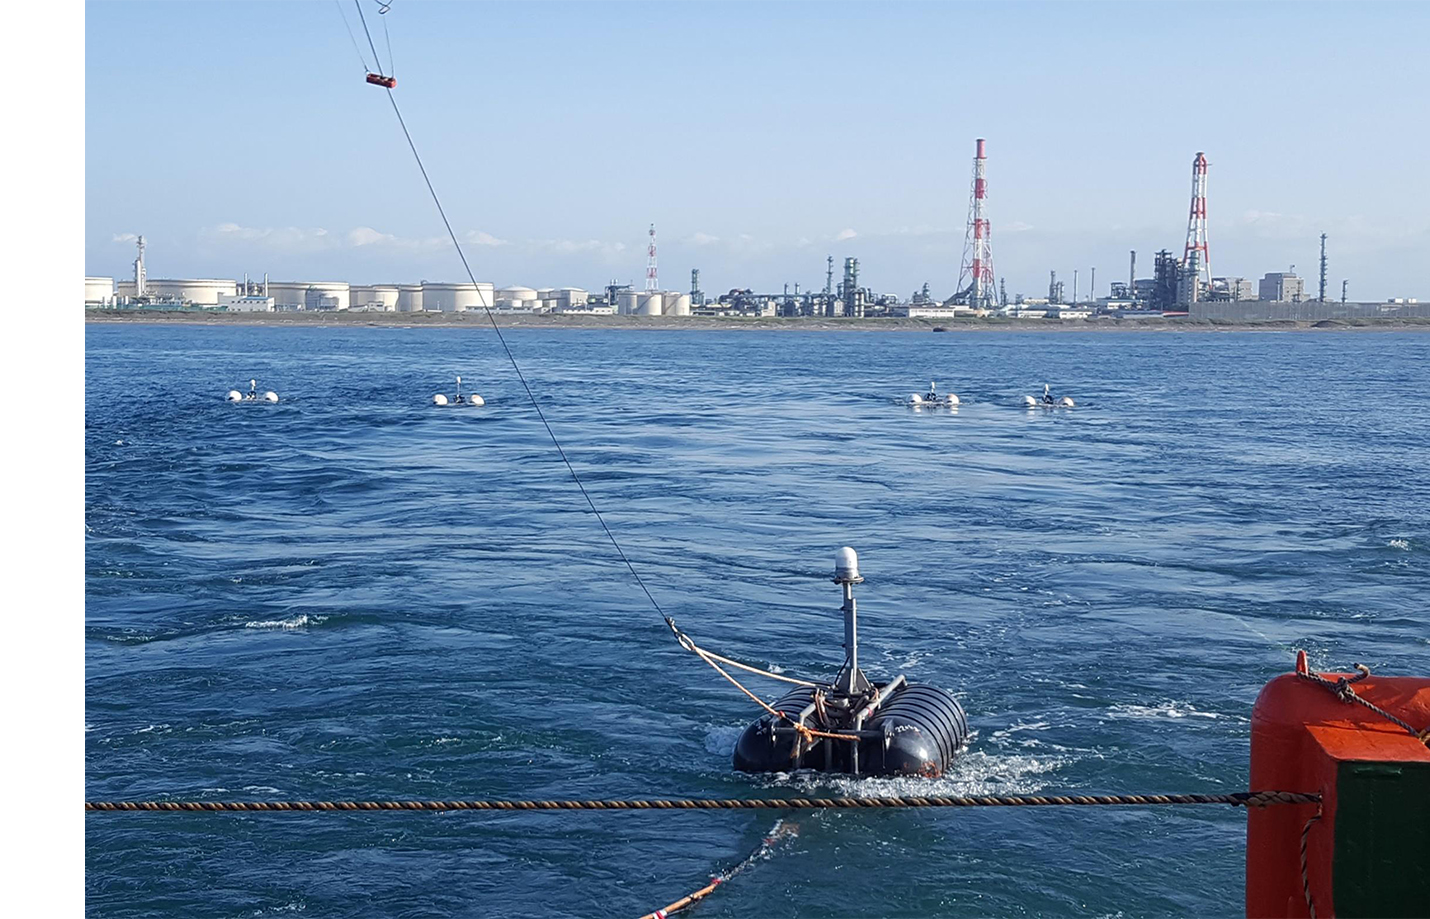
[{"x": 854, "y": 725}]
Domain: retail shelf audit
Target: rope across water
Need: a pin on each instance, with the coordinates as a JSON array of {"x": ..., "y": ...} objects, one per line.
[{"x": 1238, "y": 799}]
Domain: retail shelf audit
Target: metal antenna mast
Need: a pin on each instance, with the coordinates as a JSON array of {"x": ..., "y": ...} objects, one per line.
[
  {"x": 1196, "y": 258},
  {"x": 141, "y": 276},
  {"x": 652, "y": 283},
  {"x": 975, "y": 274},
  {"x": 1323, "y": 268}
]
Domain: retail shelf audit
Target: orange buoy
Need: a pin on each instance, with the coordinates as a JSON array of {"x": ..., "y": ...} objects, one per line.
[
  {"x": 1366, "y": 852},
  {"x": 377, "y": 79}
]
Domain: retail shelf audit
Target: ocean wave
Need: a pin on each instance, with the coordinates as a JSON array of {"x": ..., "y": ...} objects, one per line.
[
  {"x": 296, "y": 622},
  {"x": 1401, "y": 544},
  {"x": 1164, "y": 711}
]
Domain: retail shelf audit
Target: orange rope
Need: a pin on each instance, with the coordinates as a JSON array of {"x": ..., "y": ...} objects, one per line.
[{"x": 780, "y": 831}]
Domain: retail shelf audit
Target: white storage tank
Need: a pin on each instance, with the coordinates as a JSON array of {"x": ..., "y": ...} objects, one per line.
[
  {"x": 409, "y": 298},
  {"x": 626, "y": 302},
  {"x": 309, "y": 295},
  {"x": 200, "y": 291},
  {"x": 455, "y": 298},
  {"x": 379, "y": 297},
  {"x": 649, "y": 304},
  {"x": 98, "y": 291},
  {"x": 676, "y": 304},
  {"x": 514, "y": 295}
]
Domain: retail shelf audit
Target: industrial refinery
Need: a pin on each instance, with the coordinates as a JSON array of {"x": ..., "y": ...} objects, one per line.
[{"x": 1180, "y": 286}]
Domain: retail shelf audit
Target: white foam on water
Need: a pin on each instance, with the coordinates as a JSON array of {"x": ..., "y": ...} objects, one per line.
[
  {"x": 975, "y": 773},
  {"x": 721, "y": 740},
  {"x": 1401, "y": 544},
  {"x": 1164, "y": 711},
  {"x": 1020, "y": 726},
  {"x": 297, "y": 622}
]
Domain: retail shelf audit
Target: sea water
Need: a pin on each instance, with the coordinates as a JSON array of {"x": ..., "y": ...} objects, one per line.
[{"x": 356, "y": 595}]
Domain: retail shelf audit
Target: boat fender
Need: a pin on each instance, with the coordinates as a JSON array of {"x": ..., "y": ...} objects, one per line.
[
  {"x": 952, "y": 399},
  {"x": 234, "y": 396},
  {"x": 270, "y": 396},
  {"x": 1030, "y": 402},
  {"x": 916, "y": 399},
  {"x": 1066, "y": 402},
  {"x": 439, "y": 399},
  {"x": 475, "y": 399}
]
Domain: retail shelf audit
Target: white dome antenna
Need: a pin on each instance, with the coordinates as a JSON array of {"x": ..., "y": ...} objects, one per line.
[{"x": 846, "y": 575}]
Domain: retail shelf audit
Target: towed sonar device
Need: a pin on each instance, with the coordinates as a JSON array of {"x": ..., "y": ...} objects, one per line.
[
  {"x": 441, "y": 399},
  {"x": 878, "y": 729},
  {"x": 253, "y": 396}
]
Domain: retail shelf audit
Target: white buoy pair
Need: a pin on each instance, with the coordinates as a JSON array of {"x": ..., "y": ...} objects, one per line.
[
  {"x": 1048, "y": 401},
  {"x": 253, "y": 394},
  {"x": 932, "y": 397},
  {"x": 459, "y": 398}
]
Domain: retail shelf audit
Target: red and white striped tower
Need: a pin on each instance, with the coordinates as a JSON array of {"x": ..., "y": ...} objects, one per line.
[
  {"x": 651, "y": 282},
  {"x": 1197, "y": 260},
  {"x": 975, "y": 275}
]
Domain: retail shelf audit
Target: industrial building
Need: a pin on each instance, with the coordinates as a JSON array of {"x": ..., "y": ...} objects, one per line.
[
  {"x": 246, "y": 303},
  {"x": 1282, "y": 287}
]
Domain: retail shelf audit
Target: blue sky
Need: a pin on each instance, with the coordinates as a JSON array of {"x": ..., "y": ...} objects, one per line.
[{"x": 240, "y": 136}]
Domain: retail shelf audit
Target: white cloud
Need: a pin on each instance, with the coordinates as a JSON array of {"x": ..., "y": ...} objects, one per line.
[
  {"x": 367, "y": 236},
  {"x": 356, "y": 238},
  {"x": 566, "y": 246},
  {"x": 702, "y": 239},
  {"x": 844, "y": 234},
  {"x": 478, "y": 238},
  {"x": 125, "y": 237},
  {"x": 275, "y": 237}
]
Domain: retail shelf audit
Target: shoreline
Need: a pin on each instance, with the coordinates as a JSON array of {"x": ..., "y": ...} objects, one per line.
[{"x": 541, "y": 321}]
